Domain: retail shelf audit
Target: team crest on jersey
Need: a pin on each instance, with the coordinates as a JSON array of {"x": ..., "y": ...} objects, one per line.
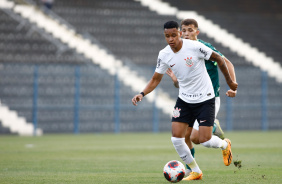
[
  {"x": 189, "y": 61},
  {"x": 176, "y": 112}
]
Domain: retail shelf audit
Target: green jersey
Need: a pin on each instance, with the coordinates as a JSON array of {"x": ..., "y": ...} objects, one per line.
[{"x": 212, "y": 69}]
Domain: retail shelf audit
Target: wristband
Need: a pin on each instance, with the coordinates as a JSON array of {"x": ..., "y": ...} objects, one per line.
[{"x": 142, "y": 94}]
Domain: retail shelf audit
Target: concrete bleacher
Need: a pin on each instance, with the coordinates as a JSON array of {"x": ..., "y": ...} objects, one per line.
[
  {"x": 129, "y": 32},
  {"x": 20, "y": 42},
  {"x": 140, "y": 37},
  {"x": 125, "y": 27},
  {"x": 256, "y": 22}
]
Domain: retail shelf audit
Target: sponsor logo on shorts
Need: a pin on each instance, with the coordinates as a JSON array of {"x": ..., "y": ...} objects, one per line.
[
  {"x": 176, "y": 112},
  {"x": 202, "y": 121}
]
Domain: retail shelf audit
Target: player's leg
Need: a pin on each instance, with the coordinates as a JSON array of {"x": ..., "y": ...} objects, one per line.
[
  {"x": 216, "y": 126},
  {"x": 181, "y": 115},
  {"x": 217, "y": 131},
  {"x": 179, "y": 129},
  {"x": 205, "y": 116},
  {"x": 212, "y": 141},
  {"x": 188, "y": 170},
  {"x": 227, "y": 154},
  {"x": 195, "y": 133},
  {"x": 188, "y": 140}
]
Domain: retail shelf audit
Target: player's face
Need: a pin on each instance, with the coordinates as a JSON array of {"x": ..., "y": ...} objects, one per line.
[
  {"x": 189, "y": 32},
  {"x": 173, "y": 38}
]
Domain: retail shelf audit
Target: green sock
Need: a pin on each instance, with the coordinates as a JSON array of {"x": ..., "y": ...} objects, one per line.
[
  {"x": 214, "y": 127},
  {"x": 193, "y": 153}
]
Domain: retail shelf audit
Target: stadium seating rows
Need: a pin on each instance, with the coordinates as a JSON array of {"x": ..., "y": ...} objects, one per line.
[
  {"x": 141, "y": 36},
  {"x": 246, "y": 19},
  {"x": 23, "y": 44}
]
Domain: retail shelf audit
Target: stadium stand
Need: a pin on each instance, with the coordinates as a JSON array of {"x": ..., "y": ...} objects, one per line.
[
  {"x": 124, "y": 27},
  {"x": 140, "y": 35},
  {"x": 133, "y": 34},
  {"x": 22, "y": 42},
  {"x": 256, "y": 22},
  {"x": 121, "y": 32}
]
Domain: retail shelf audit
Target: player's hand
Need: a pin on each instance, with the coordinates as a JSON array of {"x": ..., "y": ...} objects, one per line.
[
  {"x": 231, "y": 93},
  {"x": 170, "y": 73},
  {"x": 137, "y": 98},
  {"x": 233, "y": 85}
]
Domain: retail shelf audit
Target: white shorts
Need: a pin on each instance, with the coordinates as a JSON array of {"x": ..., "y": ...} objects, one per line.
[{"x": 217, "y": 106}]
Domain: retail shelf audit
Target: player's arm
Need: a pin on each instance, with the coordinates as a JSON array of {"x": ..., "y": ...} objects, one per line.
[
  {"x": 223, "y": 67},
  {"x": 230, "y": 92},
  {"x": 170, "y": 73},
  {"x": 230, "y": 69},
  {"x": 152, "y": 84}
]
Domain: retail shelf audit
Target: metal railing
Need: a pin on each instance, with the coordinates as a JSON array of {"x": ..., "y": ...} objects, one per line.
[{"x": 226, "y": 114}]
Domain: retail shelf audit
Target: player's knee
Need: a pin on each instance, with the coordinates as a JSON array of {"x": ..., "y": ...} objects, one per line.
[
  {"x": 206, "y": 143},
  {"x": 203, "y": 140}
]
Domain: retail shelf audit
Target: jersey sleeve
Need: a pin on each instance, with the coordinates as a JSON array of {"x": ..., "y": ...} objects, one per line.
[
  {"x": 203, "y": 51},
  {"x": 211, "y": 46},
  {"x": 161, "y": 64}
]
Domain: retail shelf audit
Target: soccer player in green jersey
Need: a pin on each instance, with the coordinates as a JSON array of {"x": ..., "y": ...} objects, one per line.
[{"x": 189, "y": 28}]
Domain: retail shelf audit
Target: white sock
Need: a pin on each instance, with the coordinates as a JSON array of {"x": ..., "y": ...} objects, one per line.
[
  {"x": 215, "y": 142},
  {"x": 185, "y": 154}
]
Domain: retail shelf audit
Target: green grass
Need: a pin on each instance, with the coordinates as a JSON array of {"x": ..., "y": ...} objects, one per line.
[{"x": 133, "y": 158}]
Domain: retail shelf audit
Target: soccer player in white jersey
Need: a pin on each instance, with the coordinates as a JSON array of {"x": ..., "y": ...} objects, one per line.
[
  {"x": 189, "y": 29},
  {"x": 196, "y": 100}
]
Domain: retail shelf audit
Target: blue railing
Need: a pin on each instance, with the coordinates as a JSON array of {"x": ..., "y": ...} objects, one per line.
[
  {"x": 227, "y": 109},
  {"x": 155, "y": 119},
  {"x": 264, "y": 119},
  {"x": 35, "y": 97},
  {"x": 76, "y": 100}
]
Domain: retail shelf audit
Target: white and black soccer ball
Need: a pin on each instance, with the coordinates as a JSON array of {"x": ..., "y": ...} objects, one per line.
[{"x": 174, "y": 171}]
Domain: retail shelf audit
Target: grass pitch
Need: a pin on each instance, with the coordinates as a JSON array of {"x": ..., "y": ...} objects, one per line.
[{"x": 133, "y": 158}]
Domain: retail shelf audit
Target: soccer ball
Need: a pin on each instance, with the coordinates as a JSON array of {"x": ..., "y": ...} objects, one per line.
[{"x": 174, "y": 171}]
